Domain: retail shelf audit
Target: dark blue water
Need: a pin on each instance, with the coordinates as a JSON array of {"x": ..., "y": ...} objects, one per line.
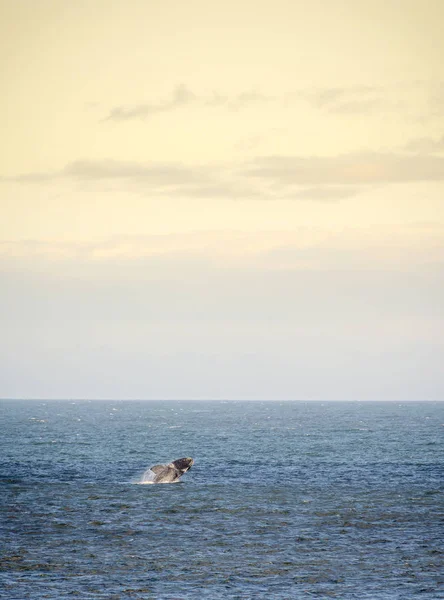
[{"x": 285, "y": 500}]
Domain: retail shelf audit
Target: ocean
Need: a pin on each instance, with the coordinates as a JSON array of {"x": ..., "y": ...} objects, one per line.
[{"x": 285, "y": 500}]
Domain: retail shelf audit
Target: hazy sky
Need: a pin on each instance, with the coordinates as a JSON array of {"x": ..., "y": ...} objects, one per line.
[{"x": 229, "y": 199}]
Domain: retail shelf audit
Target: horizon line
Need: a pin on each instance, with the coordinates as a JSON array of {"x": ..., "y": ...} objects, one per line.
[{"x": 67, "y": 399}]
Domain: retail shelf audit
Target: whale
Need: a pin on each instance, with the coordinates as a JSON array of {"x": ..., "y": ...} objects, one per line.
[{"x": 168, "y": 473}]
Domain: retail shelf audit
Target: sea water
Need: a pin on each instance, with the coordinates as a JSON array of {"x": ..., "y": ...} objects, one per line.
[{"x": 285, "y": 500}]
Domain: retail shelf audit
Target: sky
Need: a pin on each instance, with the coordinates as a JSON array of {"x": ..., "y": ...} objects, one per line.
[{"x": 222, "y": 200}]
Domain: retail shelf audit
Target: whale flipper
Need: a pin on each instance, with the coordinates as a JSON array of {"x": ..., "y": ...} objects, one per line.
[{"x": 158, "y": 468}]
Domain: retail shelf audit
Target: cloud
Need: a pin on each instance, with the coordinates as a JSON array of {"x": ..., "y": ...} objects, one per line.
[
  {"x": 240, "y": 100},
  {"x": 175, "y": 179},
  {"x": 437, "y": 100},
  {"x": 316, "y": 171},
  {"x": 352, "y": 107},
  {"x": 33, "y": 177},
  {"x": 345, "y": 100},
  {"x": 223, "y": 189},
  {"x": 403, "y": 98},
  {"x": 324, "y": 193},
  {"x": 409, "y": 246},
  {"x": 165, "y": 178},
  {"x": 165, "y": 174},
  {"x": 159, "y": 179},
  {"x": 325, "y": 97},
  {"x": 347, "y": 169},
  {"x": 183, "y": 96},
  {"x": 426, "y": 145},
  {"x": 317, "y": 178}
]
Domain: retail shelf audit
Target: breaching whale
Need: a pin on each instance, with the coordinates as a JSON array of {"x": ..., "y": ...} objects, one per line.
[{"x": 169, "y": 473}]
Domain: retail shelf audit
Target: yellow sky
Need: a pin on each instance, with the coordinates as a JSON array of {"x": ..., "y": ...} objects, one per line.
[
  {"x": 150, "y": 118},
  {"x": 208, "y": 85},
  {"x": 66, "y": 65},
  {"x": 267, "y": 135}
]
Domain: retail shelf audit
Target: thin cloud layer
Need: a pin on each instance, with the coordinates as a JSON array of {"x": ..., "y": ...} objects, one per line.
[
  {"x": 426, "y": 145},
  {"x": 324, "y": 193},
  {"x": 348, "y": 169},
  {"x": 437, "y": 101},
  {"x": 309, "y": 178},
  {"x": 402, "y": 247},
  {"x": 363, "y": 99},
  {"x": 346, "y": 100},
  {"x": 238, "y": 101},
  {"x": 156, "y": 173},
  {"x": 181, "y": 97}
]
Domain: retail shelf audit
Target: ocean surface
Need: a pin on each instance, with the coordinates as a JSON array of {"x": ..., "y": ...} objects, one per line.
[{"x": 285, "y": 500}]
